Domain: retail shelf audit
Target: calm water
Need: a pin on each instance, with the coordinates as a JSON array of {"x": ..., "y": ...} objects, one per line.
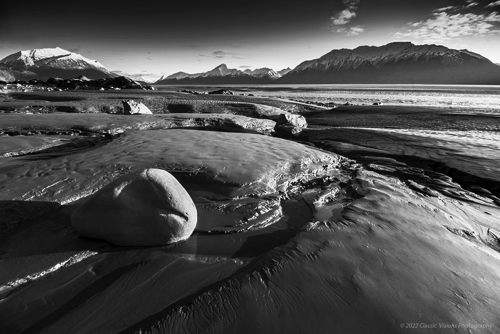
[{"x": 458, "y": 97}]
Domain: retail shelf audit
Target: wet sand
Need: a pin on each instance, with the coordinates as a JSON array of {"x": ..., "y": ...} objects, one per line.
[{"x": 373, "y": 220}]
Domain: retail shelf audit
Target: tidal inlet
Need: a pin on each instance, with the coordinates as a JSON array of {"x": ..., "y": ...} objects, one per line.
[{"x": 330, "y": 167}]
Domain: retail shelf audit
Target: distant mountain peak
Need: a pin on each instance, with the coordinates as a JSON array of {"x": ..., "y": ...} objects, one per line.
[
  {"x": 221, "y": 67},
  {"x": 285, "y": 71},
  {"x": 264, "y": 72}
]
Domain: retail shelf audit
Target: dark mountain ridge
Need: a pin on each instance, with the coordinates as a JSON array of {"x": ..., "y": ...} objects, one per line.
[{"x": 396, "y": 63}]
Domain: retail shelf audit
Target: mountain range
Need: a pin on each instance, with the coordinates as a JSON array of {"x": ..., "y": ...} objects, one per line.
[
  {"x": 394, "y": 63},
  {"x": 225, "y": 75}
]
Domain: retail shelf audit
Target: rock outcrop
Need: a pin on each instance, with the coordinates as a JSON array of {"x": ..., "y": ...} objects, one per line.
[
  {"x": 131, "y": 107},
  {"x": 77, "y": 83},
  {"x": 288, "y": 124},
  {"x": 145, "y": 208},
  {"x": 221, "y": 92}
]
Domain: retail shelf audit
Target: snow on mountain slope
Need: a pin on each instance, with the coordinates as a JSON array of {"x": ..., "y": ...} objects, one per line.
[
  {"x": 218, "y": 75},
  {"x": 53, "y": 57},
  {"x": 221, "y": 71},
  {"x": 264, "y": 72},
  {"x": 43, "y": 63}
]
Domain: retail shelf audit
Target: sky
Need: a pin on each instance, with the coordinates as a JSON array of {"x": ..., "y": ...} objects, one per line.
[{"x": 151, "y": 38}]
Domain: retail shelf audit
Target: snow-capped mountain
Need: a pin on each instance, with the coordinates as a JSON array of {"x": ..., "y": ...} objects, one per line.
[
  {"x": 53, "y": 62},
  {"x": 222, "y": 71},
  {"x": 399, "y": 62},
  {"x": 222, "y": 75},
  {"x": 264, "y": 72}
]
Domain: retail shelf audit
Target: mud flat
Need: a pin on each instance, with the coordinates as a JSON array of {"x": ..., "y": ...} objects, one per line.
[
  {"x": 292, "y": 236},
  {"x": 461, "y": 145}
]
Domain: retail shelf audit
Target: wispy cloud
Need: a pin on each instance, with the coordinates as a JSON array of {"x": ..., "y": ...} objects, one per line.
[
  {"x": 446, "y": 9},
  {"x": 245, "y": 66},
  {"x": 222, "y": 55},
  {"x": 351, "y": 31},
  {"x": 444, "y": 26},
  {"x": 493, "y": 4},
  {"x": 345, "y": 16},
  {"x": 75, "y": 50},
  {"x": 471, "y": 3}
]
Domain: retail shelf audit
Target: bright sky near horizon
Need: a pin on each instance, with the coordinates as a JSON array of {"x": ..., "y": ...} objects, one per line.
[{"x": 151, "y": 38}]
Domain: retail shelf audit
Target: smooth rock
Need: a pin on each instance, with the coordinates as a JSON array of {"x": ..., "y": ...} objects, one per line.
[
  {"x": 145, "y": 208},
  {"x": 130, "y": 107}
]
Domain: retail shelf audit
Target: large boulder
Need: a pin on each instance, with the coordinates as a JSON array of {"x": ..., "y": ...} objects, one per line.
[
  {"x": 288, "y": 124},
  {"x": 130, "y": 107},
  {"x": 145, "y": 208}
]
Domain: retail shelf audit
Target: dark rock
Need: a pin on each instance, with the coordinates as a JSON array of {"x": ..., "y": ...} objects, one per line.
[
  {"x": 35, "y": 82},
  {"x": 112, "y": 109},
  {"x": 67, "y": 109},
  {"x": 189, "y": 91},
  {"x": 54, "y": 81},
  {"x": 221, "y": 92},
  {"x": 145, "y": 208},
  {"x": 82, "y": 82}
]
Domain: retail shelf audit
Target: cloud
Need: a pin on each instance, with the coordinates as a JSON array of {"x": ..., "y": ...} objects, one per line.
[
  {"x": 493, "y": 4},
  {"x": 444, "y": 26},
  {"x": 75, "y": 50},
  {"x": 344, "y": 16},
  {"x": 471, "y": 3},
  {"x": 245, "y": 66},
  {"x": 446, "y": 9},
  {"x": 352, "y": 31},
  {"x": 222, "y": 55}
]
